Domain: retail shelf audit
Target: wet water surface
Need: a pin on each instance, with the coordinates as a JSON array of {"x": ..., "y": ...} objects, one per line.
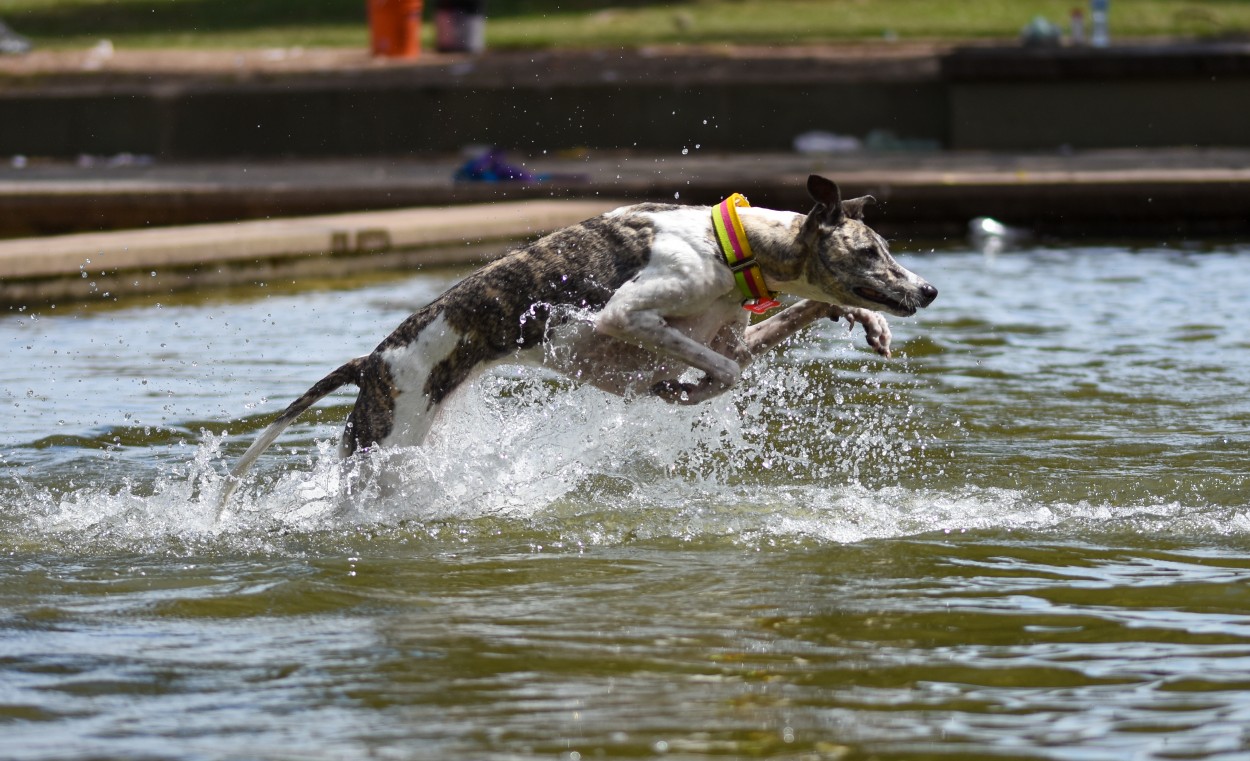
[{"x": 1028, "y": 536}]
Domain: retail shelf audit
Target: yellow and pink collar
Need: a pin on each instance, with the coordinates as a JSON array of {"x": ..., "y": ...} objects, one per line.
[{"x": 737, "y": 250}]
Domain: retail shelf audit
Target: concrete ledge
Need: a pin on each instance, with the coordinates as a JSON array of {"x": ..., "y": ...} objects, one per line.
[
  {"x": 126, "y": 262},
  {"x": 732, "y": 99},
  {"x": 1021, "y": 65},
  {"x": 1162, "y": 195},
  {"x": 328, "y": 104},
  {"x": 1157, "y": 193}
]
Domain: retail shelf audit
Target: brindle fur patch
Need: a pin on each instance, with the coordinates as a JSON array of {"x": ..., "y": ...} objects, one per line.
[{"x": 373, "y": 415}]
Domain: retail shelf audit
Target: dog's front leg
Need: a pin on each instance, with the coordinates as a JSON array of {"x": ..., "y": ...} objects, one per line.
[
  {"x": 727, "y": 343},
  {"x": 765, "y": 336},
  {"x": 648, "y": 328},
  {"x": 876, "y": 329}
]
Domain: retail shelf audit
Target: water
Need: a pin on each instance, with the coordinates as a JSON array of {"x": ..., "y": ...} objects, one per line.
[{"x": 1026, "y": 537}]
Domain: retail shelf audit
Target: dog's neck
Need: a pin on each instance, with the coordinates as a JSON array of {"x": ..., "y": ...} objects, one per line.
[{"x": 774, "y": 238}]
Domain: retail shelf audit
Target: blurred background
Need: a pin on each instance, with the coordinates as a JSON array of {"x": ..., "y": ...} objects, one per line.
[
  {"x": 536, "y": 24},
  {"x": 1041, "y": 113}
]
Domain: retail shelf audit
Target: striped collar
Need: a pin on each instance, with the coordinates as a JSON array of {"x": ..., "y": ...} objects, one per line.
[{"x": 737, "y": 250}]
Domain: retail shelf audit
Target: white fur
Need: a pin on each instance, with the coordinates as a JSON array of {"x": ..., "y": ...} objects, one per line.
[
  {"x": 683, "y": 298},
  {"x": 410, "y": 367}
]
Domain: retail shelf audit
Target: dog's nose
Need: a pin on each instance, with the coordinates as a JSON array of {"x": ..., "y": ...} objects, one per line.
[{"x": 927, "y": 294}]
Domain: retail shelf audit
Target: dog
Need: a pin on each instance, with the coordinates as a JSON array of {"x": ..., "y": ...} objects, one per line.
[{"x": 630, "y": 302}]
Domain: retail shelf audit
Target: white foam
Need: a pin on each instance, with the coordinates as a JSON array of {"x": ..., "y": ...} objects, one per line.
[{"x": 527, "y": 454}]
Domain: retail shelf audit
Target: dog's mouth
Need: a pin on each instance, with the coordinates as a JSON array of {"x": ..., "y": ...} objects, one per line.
[{"x": 877, "y": 297}]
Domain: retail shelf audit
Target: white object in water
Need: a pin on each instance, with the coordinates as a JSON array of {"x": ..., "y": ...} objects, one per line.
[{"x": 991, "y": 236}]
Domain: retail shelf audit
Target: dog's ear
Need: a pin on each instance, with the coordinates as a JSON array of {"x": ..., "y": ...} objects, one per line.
[
  {"x": 827, "y": 197},
  {"x": 854, "y": 207}
]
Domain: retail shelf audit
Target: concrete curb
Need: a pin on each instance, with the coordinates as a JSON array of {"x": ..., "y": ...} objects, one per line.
[
  {"x": 922, "y": 193},
  {"x": 326, "y": 104},
  {"x": 128, "y": 262}
]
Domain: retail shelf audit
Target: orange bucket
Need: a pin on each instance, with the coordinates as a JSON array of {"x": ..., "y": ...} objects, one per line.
[{"x": 395, "y": 28}]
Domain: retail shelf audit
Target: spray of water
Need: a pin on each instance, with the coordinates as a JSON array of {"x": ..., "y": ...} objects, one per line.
[{"x": 796, "y": 454}]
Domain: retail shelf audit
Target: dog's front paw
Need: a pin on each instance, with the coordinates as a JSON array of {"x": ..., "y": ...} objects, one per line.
[
  {"x": 677, "y": 392},
  {"x": 876, "y": 329}
]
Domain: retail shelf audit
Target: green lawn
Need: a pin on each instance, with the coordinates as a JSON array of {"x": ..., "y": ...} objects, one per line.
[{"x": 582, "y": 23}]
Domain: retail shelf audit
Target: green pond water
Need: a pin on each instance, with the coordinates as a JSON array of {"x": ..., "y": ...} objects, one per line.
[{"x": 1027, "y": 536}]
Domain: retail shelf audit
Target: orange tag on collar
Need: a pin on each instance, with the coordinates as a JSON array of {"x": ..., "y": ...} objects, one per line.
[{"x": 760, "y": 306}]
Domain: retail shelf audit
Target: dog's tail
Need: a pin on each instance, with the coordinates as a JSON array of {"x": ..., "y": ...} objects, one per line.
[{"x": 341, "y": 376}]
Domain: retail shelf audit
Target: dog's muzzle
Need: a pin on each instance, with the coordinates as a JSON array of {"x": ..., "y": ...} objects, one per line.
[{"x": 906, "y": 304}]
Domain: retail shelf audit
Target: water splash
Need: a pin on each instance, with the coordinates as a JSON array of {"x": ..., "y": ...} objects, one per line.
[{"x": 782, "y": 459}]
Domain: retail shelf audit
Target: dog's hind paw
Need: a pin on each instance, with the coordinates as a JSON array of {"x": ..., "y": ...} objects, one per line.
[{"x": 876, "y": 329}]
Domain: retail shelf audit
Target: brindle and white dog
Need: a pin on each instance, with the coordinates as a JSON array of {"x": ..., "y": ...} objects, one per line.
[{"x": 629, "y": 302}]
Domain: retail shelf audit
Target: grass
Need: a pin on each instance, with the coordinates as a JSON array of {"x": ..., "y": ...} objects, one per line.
[{"x": 586, "y": 23}]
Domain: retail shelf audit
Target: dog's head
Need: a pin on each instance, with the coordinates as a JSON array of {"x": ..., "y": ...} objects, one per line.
[{"x": 847, "y": 263}]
